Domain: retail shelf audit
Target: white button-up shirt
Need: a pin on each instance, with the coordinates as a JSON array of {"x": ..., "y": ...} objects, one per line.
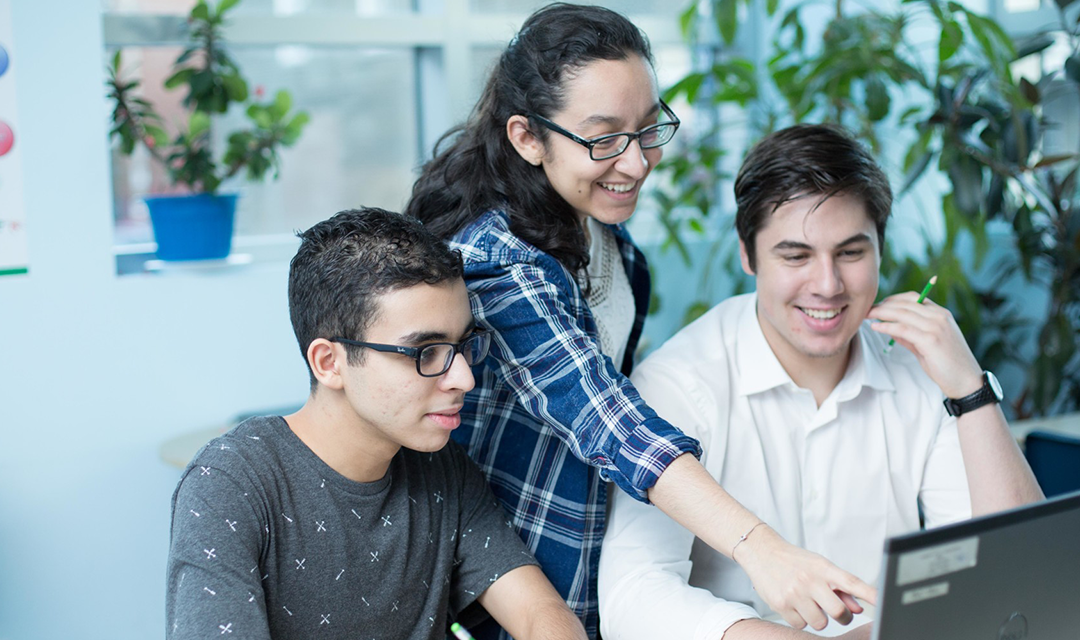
[{"x": 836, "y": 479}]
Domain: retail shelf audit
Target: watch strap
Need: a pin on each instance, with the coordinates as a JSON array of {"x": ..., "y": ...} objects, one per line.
[{"x": 985, "y": 395}]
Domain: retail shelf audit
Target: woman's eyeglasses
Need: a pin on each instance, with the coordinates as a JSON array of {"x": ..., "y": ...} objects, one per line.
[{"x": 613, "y": 144}]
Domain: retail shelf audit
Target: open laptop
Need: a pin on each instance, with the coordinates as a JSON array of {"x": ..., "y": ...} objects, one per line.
[{"x": 1014, "y": 575}]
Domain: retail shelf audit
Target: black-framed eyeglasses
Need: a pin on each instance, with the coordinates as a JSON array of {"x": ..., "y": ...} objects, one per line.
[
  {"x": 610, "y": 145},
  {"x": 435, "y": 359}
]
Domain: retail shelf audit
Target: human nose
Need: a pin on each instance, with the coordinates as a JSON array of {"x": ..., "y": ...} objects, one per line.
[
  {"x": 459, "y": 375},
  {"x": 632, "y": 161},
  {"x": 827, "y": 280}
]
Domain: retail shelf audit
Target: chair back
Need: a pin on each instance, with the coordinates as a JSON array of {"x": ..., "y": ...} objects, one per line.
[{"x": 1055, "y": 460}]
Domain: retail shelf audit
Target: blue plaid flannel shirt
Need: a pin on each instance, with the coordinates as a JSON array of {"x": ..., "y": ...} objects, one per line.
[{"x": 551, "y": 418}]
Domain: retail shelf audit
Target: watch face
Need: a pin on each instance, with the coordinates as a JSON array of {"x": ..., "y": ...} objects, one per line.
[{"x": 994, "y": 385}]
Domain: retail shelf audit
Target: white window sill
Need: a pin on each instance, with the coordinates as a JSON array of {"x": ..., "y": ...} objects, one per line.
[{"x": 139, "y": 259}]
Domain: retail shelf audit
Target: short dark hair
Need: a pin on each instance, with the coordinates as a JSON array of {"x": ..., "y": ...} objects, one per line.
[
  {"x": 807, "y": 160},
  {"x": 344, "y": 262},
  {"x": 476, "y": 168}
]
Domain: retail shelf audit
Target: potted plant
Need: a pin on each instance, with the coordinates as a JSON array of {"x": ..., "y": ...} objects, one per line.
[{"x": 198, "y": 224}]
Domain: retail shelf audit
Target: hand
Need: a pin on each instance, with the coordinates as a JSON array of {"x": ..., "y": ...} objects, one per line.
[
  {"x": 801, "y": 586},
  {"x": 930, "y": 332}
]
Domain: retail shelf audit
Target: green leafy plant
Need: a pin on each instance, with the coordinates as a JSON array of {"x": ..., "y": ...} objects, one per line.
[
  {"x": 957, "y": 109},
  {"x": 214, "y": 83},
  {"x": 991, "y": 135}
]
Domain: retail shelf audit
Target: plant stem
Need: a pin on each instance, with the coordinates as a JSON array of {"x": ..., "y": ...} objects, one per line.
[{"x": 131, "y": 119}]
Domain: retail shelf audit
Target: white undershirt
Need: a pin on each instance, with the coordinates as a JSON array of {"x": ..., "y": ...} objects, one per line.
[
  {"x": 610, "y": 297},
  {"x": 836, "y": 479}
]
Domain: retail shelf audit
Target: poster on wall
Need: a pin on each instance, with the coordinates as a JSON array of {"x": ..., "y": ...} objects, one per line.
[{"x": 13, "y": 253}]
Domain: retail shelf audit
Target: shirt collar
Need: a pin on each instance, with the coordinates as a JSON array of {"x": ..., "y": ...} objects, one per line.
[
  {"x": 758, "y": 367},
  {"x": 760, "y": 370},
  {"x": 866, "y": 367}
]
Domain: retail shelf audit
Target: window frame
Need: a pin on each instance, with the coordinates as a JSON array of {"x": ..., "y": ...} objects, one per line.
[{"x": 445, "y": 36}]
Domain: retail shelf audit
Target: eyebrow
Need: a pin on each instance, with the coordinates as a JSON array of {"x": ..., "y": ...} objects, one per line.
[
  {"x": 789, "y": 245},
  {"x": 613, "y": 121},
  {"x": 421, "y": 337}
]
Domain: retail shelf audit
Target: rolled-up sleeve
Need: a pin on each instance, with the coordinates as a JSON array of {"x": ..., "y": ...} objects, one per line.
[{"x": 558, "y": 374}]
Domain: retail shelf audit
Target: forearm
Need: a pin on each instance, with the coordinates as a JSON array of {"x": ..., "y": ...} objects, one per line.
[
  {"x": 643, "y": 578},
  {"x": 756, "y": 629},
  {"x": 689, "y": 495},
  {"x": 762, "y": 630},
  {"x": 803, "y": 587},
  {"x": 552, "y": 621},
  {"x": 998, "y": 475},
  {"x": 528, "y": 607}
]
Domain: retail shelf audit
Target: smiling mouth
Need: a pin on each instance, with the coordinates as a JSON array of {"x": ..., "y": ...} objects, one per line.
[
  {"x": 822, "y": 314},
  {"x": 618, "y": 188}
]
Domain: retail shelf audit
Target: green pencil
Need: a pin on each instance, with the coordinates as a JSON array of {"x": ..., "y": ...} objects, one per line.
[
  {"x": 922, "y": 296},
  {"x": 461, "y": 632}
]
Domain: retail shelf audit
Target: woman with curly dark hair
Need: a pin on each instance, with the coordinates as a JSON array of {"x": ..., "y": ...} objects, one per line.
[{"x": 533, "y": 190}]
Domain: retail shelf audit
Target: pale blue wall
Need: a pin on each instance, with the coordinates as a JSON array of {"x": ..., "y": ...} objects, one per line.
[{"x": 97, "y": 371}]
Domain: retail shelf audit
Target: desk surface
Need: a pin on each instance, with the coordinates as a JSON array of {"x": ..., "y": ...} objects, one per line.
[{"x": 1068, "y": 424}]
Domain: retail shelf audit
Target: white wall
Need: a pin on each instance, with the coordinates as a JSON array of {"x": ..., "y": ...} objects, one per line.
[{"x": 97, "y": 371}]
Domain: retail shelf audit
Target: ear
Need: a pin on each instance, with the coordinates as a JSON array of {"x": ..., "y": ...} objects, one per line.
[
  {"x": 745, "y": 259},
  {"x": 528, "y": 146},
  {"x": 327, "y": 362}
]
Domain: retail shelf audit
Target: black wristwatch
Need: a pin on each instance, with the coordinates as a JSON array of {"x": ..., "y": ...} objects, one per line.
[{"x": 990, "y": 392}]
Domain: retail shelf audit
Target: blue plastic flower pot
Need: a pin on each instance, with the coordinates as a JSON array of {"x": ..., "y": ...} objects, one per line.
[{"x": 192, "y": 227}]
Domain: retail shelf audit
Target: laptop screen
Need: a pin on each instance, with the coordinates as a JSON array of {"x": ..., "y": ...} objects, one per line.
[{"x": 1013, "y": 575}]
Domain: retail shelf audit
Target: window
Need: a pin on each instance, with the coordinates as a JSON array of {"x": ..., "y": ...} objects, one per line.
[
  {"x": 381, "y": 79},
  {"x": 1060, "y": 99},
  {"x": 1025, "y": 17}
]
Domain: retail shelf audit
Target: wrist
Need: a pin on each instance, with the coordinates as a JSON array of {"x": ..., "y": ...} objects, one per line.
[
  {"x": 743, "y": 538},
  {"x": 750, "y": 544},
  {"x": 989, "y": 391},
  {"x": 964, "y": 385}
]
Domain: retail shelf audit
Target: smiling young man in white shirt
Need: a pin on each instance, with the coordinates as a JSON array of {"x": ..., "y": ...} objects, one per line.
[{"x": 804, "y": 415}]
